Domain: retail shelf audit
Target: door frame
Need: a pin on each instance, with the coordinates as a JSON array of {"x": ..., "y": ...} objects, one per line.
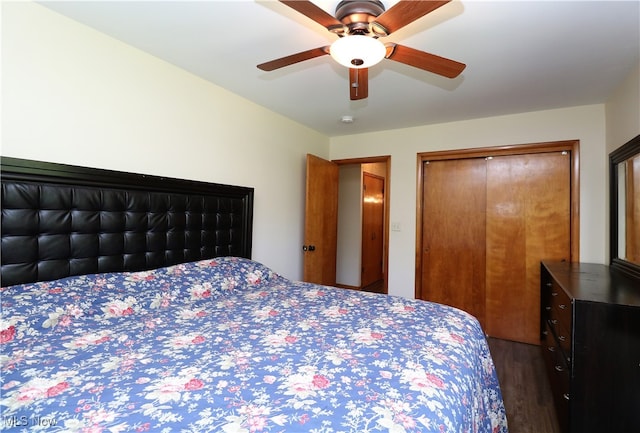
[
  {"x": 387, "y": 194},
  {"x": 572, "y": 146}
]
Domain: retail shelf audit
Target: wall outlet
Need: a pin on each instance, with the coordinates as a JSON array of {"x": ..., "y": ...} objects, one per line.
[{"x": 395, "y": 227}]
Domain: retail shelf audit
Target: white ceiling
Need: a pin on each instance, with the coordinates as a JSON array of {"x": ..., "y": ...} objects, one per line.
[{"x": 520, "y": 55}]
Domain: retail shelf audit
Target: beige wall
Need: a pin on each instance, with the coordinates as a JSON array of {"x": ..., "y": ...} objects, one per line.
[
  {"x": 586, "y": 123},
  {"x": 623, "y": 111},
  {"x": 76, "y": 96},
  {"x": 600, "y": 128},
  {"x": 349, "y": 256},
  {"x": 623, "y": 120},
  {"x": 73, "y": 95}
]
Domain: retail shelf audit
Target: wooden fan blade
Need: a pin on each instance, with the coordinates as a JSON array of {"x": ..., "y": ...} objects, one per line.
[
  {"x": 428, "y": 62},
  {"x": 358, "y": 83},
  {"x": 402, "y": 13},
  {"x": 317, "y": 14},
  {"x": 294, "y": 58}
]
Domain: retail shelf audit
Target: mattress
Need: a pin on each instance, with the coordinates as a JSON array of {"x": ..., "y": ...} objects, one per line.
[{"x": 228, "y": 345}]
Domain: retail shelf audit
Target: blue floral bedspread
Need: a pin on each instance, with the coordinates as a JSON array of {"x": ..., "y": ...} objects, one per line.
[{"x": 226, "y": 345}]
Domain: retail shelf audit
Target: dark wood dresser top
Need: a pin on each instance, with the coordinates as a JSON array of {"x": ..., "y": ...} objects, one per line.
[{"x": 593, "y": 282}]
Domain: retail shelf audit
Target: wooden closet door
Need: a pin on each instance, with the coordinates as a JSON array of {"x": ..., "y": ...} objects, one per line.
[
  {"x": 453, "y": 253},
  {"x": 528, "y": 220}
]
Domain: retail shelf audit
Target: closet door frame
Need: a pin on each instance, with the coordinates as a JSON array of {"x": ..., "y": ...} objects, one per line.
[{"x": 572, "y": 146}]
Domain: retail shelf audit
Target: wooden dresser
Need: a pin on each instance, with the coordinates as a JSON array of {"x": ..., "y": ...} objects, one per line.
[{"x": 590, "y": 339}]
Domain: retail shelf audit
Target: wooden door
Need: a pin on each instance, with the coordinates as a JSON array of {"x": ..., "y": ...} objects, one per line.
[
  {"x": 372, "y": 229},
  {"x": 528, "y": 220},
  {"x": 453, "y": 230},
  {"x": 321, "y": 221}
]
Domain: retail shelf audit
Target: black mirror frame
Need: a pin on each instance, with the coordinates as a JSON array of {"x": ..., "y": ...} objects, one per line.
[{"x": 624, "y": 152}]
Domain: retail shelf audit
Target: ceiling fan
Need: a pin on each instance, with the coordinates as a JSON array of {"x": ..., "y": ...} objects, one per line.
[{"x": 359, "y": 24}]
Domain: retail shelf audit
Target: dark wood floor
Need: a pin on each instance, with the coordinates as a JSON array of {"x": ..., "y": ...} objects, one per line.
[
  {"x": 377, "y": 287},
  {"x": 525, "y": 387}
]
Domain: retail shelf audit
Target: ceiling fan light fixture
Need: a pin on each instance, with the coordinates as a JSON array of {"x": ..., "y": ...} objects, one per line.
[{"x": 357, "y": 51}]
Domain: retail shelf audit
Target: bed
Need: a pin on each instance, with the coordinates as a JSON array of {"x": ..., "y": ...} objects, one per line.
[{"x": 204, "y": 339}]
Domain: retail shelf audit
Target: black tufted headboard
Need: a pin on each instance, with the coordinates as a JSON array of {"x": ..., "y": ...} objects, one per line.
[{"x": 62, "y": 220}]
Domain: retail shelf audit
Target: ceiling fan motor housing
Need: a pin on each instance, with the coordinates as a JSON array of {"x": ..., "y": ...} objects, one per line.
[{"x": 357, "y": 14}]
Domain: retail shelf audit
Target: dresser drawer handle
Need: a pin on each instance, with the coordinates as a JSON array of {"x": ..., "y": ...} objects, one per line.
[
  {"x": 554, "y": 293},
  {"x": 554, "y": 321},
  {"x": 551, "y": 348},
  {"x": 562, "y": 306},
  {"x": 561, "y": 337},
  {"x": 559, "y": 368},
  {"x": 566, "y": 396}
]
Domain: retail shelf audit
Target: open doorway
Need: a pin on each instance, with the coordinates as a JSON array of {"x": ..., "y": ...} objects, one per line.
[
  {"x": 362, "y": 240},
  {"x": 321, "y": 225}
]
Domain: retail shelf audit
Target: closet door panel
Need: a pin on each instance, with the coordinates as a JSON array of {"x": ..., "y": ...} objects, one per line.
[
  {"x": 506, "y": 247},
  {"x": 548, "y": 218},
  {"x": 453, "y": 232},
  {"x": 528, "y": 220}
]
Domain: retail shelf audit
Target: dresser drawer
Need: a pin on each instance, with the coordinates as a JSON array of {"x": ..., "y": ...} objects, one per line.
[
  {"x": 562, "y": 339},
  {"x": 559, "y": 376},
  {"x": 561, "y": 307}
]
